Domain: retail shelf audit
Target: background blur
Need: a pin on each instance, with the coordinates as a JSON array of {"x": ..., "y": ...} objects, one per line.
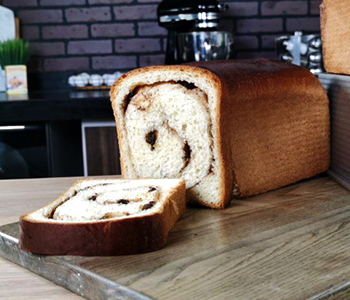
[{"x": 70, "y": 36}]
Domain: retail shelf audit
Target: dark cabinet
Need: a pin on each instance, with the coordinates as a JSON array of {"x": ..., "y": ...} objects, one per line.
[
  {"x": 23, "y": 151},
  {"x": 100, "y": 148},
  {"x": 41, "y": 135},
  {"x": 40, "y": 149}
]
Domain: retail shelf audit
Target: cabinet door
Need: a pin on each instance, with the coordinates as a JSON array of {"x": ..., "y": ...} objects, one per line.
[
  {"x": 101, "y": 155},
  {"x": 64, "y": 148}
]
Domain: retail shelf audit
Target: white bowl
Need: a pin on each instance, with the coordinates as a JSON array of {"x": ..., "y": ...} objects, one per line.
[
  {"x": 71, "y": 80},
  {"x": 96, "y": 80}
]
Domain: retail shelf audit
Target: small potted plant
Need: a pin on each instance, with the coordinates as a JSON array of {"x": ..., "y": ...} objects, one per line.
[{"x": 14, "y": 55}]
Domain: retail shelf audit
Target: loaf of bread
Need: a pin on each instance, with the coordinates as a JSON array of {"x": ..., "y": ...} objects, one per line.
[
  {"x": 335, "y": 32},
  {"x": 226, "y": 127},
  {"x": 99, "y": 217}
]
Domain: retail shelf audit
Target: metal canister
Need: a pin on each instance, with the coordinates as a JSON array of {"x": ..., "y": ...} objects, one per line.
[{"x": 301, "y": 50}]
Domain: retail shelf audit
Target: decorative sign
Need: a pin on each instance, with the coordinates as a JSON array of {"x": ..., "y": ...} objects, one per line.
[{"x": 16, "y": 79}]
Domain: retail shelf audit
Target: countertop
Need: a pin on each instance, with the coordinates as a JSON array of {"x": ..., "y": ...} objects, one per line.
[
  {"x": 55, "y": 105},
  {"x": 291, "y": 243}
]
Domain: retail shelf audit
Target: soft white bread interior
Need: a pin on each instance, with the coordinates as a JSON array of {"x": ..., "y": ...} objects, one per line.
[
  {"x": 166, "y": 128},
  {"x": 95, "y": 200},
  {"x": 170, "y": 119}
]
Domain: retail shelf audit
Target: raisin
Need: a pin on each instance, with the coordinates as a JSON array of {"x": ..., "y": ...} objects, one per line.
[
  {"x": 123, "y": 201},
  {"x": 151, "y": 138},
  {"x": 128, "y": 98},
  {"x": 187, "y": 151},
  {"x": 187, "y": 85},
  {"x": 93, "y": 198},
  {"x": 187, "y": 156},
  {"x": 148, "y": 205}
]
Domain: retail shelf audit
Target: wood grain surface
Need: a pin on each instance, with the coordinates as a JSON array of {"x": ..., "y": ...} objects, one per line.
[
  {"x": 18, "y": 197},
  {"x": 292, "y": 243}
]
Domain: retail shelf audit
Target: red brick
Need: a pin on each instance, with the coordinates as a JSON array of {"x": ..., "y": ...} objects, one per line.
[
  {"x": 150, "y": 28},
  {"x": 268, "y": 41},
  {"x": 261, "y": 54},
  {"x": 137, "y": 12},
  {"x": 137, "y": 45},
  {"x": 259, "y": 25},
  {"x": 306, "y": 24},
  {"x": 40, "y": 16},
  {"x": 93, "y": 14},
  {"x": 151, "y": 60},
  {"x": 113, "y": 30},
  {"x": 113, "y": 62},
  {"x": 277, "y": 8},
  {"x": 65, "y": 64},
  {"x": 240, "y": 9},
  {"x": 315, "y": 7},
  {"x": 47, "y": 49},
  {"x": 61, "y": 2},
  {"x": 246, "y": 42},
  {"x": 19, "y": 3},
  {"x": 65, "y": 32},
  {"x": 93, "y": 2},
  {"x": 90, "y": 47},
  {"x": 30, "y": 32}
]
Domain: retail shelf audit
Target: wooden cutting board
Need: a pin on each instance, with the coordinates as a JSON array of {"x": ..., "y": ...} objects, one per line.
[{"x": 292, "y": 243}]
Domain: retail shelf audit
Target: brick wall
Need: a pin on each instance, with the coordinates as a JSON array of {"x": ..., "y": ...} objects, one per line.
[{"x": 69, "y": 36}]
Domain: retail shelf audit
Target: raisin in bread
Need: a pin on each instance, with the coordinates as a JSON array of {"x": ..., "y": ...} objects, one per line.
[
  {"x": 335, "y": 32},
  {"x": 226, "y": 127},
  {"x": 98, "y": 217}
]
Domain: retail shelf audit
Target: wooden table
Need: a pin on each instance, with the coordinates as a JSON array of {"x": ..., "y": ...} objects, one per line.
[
  {"x": 292, "y": 243},
  {"x": 18, "y": 197}
]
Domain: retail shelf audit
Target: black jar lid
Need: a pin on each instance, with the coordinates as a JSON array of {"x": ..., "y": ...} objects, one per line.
[
  {"x": 182, "y": 15},
  {"x": 185, "y": 6}
]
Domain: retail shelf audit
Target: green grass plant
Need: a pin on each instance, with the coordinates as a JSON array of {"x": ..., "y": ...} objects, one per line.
[{"x": 14, "y": 52}]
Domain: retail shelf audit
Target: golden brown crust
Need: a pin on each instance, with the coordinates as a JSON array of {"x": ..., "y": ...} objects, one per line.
[
  {"x": 103, "y": 238},
  {"x": 334, "y": 17},
  {"x": 272, "y": 123},
  {"x": 276, "y": 126},
  {"x": 323, "y": 22}
]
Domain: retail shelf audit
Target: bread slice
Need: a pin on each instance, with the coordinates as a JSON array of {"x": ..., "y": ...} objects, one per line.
[
  {"x": 226, "y": 127},
  {"x": 335, "y": 32},
  {"x": 98, "y": 217}
]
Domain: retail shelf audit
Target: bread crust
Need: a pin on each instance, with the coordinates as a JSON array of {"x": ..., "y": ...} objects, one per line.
[
  {"x": 261, "y": 123},
  {"x": 334, "y": 16},
  {"x": 125, "y": 236},
  {"x": 272, "y": 123}
]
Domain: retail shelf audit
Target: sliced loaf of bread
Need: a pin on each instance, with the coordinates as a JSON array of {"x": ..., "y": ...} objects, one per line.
[
  {"x": 238, "y": 127},
  {"x": 98, "y": 217}
]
